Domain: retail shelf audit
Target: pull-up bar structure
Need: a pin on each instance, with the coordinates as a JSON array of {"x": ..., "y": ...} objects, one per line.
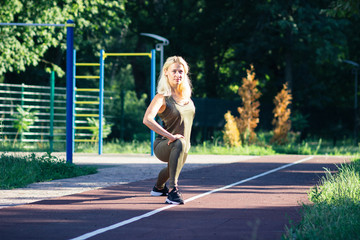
[
  {"x": 100, "y": 102},
  {"x": 152, "y": 56}
]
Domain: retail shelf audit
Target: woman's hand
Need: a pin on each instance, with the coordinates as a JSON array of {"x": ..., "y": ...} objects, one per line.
[{"x": 174, "y": 138}]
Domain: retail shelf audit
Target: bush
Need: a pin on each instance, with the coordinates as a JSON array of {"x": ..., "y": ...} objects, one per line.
[{"x": 231, "y": 132}]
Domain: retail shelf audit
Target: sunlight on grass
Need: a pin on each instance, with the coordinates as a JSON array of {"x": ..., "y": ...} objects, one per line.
[{"x": 335, "y": 211}]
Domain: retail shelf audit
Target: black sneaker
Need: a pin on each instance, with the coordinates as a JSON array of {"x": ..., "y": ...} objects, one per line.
[
  {"x": 174, "y": 197},
  {"x": 156, "y": 192}
]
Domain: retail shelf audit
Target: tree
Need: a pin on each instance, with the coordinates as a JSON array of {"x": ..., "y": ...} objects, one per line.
[
  {"x": 21, "y": 47},
  {"x": 249, "y": 112},
  {"x": 231, "y": 132},
  {"x": 281, "y": 121},
  {"x": 343, "y": 8}
]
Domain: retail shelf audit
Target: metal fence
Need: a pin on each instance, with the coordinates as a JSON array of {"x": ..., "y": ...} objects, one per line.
[{"x": 49, "y": 105}]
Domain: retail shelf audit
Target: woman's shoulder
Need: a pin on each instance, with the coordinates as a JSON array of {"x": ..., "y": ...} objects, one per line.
[{"x": 159, "y": 96}]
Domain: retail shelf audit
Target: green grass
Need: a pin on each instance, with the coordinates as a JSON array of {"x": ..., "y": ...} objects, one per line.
[
  {"x": 216, "y": 146},
  {"x": 115, "y": 147},
  {"x": 319, "y": 147},
  {"x": 18, "y": 171},
  {"x": 335, "y": 212}
]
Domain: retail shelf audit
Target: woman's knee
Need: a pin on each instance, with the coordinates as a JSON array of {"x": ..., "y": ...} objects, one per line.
[{"x": 179, "y": 144}]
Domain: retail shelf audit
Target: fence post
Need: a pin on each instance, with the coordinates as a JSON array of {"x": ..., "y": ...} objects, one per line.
[
  {"x": 22, "y": 106},
  {"x": 52, "y": 98}
]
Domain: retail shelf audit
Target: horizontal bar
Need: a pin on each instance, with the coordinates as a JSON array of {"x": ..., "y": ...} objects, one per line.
[
  {"x": 86, "y": 128},
  {"x": 87, "y": 64},
  {"x": 37, "y": 114},
  {"x": 85, "y": 77},
  {"x": 85, "y": 140},
  {"x": 38, "y": 24},
  {"x": 30, "y": 86},
  {"x": 25, "y": 93},
  {"x": 126, "y": 54},
  {"x": 86, "y": 102},
  {"x": 88, "y": 90},
  {"x": 31, "y": 106},
  {"x": 86, "y": 115}
]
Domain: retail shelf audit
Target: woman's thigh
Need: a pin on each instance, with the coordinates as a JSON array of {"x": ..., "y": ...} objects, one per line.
[{"x": 162, "y": 150}]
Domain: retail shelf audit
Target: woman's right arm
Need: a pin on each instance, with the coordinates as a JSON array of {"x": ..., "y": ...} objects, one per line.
[{"x": 157, "y": 104}]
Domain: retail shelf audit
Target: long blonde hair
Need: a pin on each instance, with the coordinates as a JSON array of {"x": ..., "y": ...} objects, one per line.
[{"x": 163, "y": 83}]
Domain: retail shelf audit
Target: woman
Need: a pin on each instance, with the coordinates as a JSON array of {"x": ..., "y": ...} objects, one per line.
[{"x": 176, "y": 109}]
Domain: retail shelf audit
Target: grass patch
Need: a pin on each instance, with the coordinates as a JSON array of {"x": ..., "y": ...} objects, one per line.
[
  {"x": 115, "y": 147},
  {"x": 18, "y": 172},
  {"x": 335, "y": 212},
  {"x": 218, "y": 148}
]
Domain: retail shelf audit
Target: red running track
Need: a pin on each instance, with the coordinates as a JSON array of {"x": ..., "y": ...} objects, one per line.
[{"x": 267, "y": 192}]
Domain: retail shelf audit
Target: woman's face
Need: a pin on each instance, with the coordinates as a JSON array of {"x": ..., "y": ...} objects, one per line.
[{"x": 175, "y": 74}]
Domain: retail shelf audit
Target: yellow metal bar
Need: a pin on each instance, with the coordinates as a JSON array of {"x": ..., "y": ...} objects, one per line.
[
  {"x": 86, "y": 102},
  {"x": 87, "y": 64},
  {"x": 85, "y": 140},
  {"x": 126, "y": 54},
  {"x": 87, "y": 89},
  {"x": 86, "y": 115},
  {"x": 69, "y": 24},
  {"x": 85, "y": 77},
  {"x": 86, "y": 128}
]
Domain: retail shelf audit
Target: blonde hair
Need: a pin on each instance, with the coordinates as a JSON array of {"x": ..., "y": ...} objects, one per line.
[{"x": 163, "y": 83}]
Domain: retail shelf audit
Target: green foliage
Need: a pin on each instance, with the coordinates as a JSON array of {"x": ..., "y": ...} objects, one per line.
[
  {"x": 336, "y": 209},
  {"x": 129, "y": 112},
  {"x": 26, "y": 46},
  {"x": 343, "y": 8},
  {"x": 16, "y": 171},
  {"x": 94, "y": 123},
  {"x": 24, "y": 119}
]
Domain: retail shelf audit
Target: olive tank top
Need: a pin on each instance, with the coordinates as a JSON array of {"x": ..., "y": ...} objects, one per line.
[{"x": 178, "y": 119}]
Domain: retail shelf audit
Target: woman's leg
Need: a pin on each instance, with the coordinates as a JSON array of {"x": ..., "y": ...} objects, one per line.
[{"x": 174, "y": 154}]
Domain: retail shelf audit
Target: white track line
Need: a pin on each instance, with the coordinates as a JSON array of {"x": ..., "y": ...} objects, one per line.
[{"x": 134, "y": 219}]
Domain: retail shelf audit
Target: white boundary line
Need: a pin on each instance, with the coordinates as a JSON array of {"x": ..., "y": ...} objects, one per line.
[{"x": 137, "y": 218}]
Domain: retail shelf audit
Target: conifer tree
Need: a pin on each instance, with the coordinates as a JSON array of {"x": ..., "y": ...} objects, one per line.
[
  {"x": 281, "y": 121},
  {"x": 231, "y": 132},
  {"x": 249, "y": 112}
]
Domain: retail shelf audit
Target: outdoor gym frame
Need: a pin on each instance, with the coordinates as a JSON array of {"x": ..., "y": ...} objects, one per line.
[
  {"x": 70, "y": 78},
  {"x": 70, "y": 86}
]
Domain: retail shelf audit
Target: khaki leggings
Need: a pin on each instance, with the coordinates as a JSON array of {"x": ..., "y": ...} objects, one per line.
[{"x": 174, "y": 154}]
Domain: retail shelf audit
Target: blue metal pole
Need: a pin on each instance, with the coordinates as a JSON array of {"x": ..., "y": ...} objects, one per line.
[
  {"x": 153, "y": 76},
  {"x": 101, "y": 101},
  {"x": 74, "y": 100},
  {"x": 69, "y": 90}
]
